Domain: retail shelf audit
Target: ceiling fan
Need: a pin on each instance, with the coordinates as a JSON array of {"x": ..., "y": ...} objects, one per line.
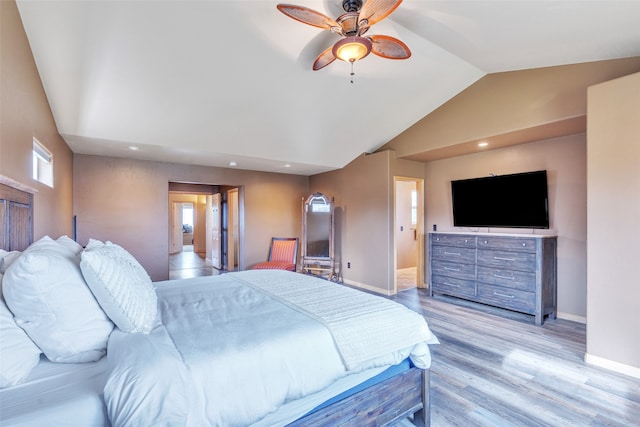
[{"x": 352, "y": 25}]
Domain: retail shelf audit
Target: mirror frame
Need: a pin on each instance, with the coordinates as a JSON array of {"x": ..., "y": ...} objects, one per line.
[{"x": 319, "y": 263}]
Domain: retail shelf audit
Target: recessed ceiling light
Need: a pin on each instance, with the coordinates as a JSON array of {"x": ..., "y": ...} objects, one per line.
[
  {"x": 287, "y": 165},
  {"x": 233, "y": 164},
  {"x": 133, "y": 148},
  {"x": 483, "y": 144}
]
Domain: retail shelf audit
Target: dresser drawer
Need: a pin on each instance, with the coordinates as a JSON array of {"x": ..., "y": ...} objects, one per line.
[
  {"x": 523, "y": 261},
  {"x": 460, "y": 240},
  {"x": 522, "y": 244},
  {"x": 453, "y": 286},
  {"x": 453, "y": 254},
  {"x": 450, "y": 269},
  {"x": 515, "y": 279},
  {"x": 512, "y": 299}
]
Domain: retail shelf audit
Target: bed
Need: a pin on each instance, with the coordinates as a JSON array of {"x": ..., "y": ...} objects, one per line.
[{"x": 259, "y": 347}]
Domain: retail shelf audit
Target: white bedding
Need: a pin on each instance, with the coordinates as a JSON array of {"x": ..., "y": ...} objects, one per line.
[
  {"x": 363, "y": 327},
  {"x": 184, "y": 373},
  {"x": 57, "y": 394}
]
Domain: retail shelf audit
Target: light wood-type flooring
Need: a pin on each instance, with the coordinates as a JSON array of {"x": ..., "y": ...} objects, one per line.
[
  {"x": 406, "y": 278},
  {"x": 496, "y": 368},
  {"x": 187, "y": 263}
]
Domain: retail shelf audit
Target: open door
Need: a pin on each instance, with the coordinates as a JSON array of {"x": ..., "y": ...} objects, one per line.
[
  {"x": 233, "y": 255},
  {"x": 409, "y": 219},
  {"x": 218, "y": 223},
  {"x": 213, "y": 226},
  {"x": 175, "y": 244}
]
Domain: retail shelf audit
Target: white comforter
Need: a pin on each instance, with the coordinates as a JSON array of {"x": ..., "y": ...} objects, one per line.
[{"x": 233, "y": 348}]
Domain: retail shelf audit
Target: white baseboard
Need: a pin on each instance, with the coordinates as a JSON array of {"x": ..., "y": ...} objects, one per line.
[
  {"x": 367, "y": 287},
  {"x": 572, "y": 317},
  {"x": 621, "y": 368}
]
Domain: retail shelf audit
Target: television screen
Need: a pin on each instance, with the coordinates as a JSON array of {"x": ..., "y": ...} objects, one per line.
[{"x": 516, "y": 200}]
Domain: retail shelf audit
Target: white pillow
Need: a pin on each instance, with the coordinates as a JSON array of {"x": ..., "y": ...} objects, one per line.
[
  {"x": 70, "y": 243},
  {"x": 19, "y": 354},
  {"x": 7, "y": 258},
  {"x": 121, "y": 285},
  {"x": 50, "y": 300}
]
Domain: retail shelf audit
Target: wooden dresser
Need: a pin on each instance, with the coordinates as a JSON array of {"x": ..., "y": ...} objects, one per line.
[{"x": 513, "y": 271}]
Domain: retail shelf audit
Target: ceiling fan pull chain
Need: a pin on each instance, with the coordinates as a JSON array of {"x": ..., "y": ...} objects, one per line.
[{"x": 352, "y": 73}]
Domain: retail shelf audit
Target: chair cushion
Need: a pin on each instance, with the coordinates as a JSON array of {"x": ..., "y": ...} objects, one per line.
[
  {"x": 275, "y": 265},
  {"x": 283, "y": 250}
]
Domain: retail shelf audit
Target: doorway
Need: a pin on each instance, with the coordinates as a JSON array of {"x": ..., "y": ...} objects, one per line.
[
  {"x": 205, "y": 229},
  {"x": 408, "y": 221}
]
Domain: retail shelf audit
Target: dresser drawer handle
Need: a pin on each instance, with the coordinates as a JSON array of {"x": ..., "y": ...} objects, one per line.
[
  {"x": 451, "y": 284},
  {"x": 503, "y": 258},
  {"x": 504, "y": 277},
  {"x": 503, "y": 295},
  {"x": 451, "y": 269},
  {"x": 452, "y": 253}
]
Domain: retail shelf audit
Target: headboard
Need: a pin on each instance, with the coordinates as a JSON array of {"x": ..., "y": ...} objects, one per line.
[{"x": 16, "y": 217}]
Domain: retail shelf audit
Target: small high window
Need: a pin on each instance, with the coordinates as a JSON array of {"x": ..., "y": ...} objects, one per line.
[{"x": 42, "y": 164}]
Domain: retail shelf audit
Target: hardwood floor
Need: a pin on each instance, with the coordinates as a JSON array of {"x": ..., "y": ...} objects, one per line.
[
  {"x": 406, "y": 278},
  {"x": 187, "y": 263},
  {"x": 497, "y": 368},
  {"x": 491, "y": 370}
]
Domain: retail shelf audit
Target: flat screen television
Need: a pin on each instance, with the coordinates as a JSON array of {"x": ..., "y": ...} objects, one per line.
[{"x": 511, "y": 201}]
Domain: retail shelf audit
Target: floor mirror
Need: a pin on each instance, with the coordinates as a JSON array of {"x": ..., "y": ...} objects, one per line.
[{"x": 317, "y": 237}]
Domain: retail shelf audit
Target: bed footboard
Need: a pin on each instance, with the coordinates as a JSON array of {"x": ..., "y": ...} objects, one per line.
[
  {"x": 423, "y": 416},
  {"x": 401, "y": 396}
]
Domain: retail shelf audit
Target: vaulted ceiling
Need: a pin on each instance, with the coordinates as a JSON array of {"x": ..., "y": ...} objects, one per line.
[{"x": 211, "y": 82}]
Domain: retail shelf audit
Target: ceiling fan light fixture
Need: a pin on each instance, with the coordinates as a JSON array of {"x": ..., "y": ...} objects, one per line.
[{"x": 352, "y": 49}]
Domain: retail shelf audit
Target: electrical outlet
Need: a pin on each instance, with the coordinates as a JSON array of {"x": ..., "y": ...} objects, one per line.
[{"x": 348, "y": 265}]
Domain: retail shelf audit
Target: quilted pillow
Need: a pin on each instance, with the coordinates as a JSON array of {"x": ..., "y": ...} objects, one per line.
[
  {"x": 50, "y": 300},
  {"x": 19, "y": 353},
  {"x": 121, "y": 285}
]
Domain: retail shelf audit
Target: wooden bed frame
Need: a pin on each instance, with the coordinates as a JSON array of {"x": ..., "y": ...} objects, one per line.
[
  {"x": 401, "y": 396},
  {"x": 16, "y": 215}
]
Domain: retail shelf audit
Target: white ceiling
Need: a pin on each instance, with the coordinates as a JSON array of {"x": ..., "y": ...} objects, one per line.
[{"x": 213, "y": 81}]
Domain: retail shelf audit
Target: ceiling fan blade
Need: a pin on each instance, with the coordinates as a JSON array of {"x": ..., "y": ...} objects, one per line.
[
  {"x": 324, "y": 59},
  {"x": 376, "y": 10},
  {"x": 308, "y": 16},
  {"x": 389, "y": 47}
]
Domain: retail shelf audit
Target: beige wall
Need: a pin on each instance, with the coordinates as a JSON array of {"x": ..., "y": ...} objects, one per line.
[
  {"x": 364, "y": 200},
  {"x": 505, "y": 108},
  {"x": 564, "y": 159},
  {"x": 25, "y": 114},
  {"x": 126, "y": 201},
  {"x": 613, "y": 164},
  {"x": 361, "y": 194}
]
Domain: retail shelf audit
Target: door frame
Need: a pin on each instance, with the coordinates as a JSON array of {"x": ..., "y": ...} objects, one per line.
[
  {"x": 175, "y": 223},
  {"x": 419, "y": 231},
  {"x": 239, "y": 208},
  {"x": 214, "y": 230}
]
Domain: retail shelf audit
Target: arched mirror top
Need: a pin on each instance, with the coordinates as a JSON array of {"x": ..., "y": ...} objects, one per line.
[
  {"x": 317, "y": 231},
  {"x": 318, "y": 202}
]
